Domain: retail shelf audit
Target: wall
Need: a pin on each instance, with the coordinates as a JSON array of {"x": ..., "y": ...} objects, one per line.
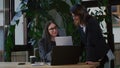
[
  {"x": 1, "y": 39},
  {"x": 19, "y": 35},
  {"x": 19, "y": 38},
  {"x": 116, "y": 32}
]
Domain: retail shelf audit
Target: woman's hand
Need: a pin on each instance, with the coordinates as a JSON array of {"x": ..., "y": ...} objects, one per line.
[
  {"x": 93, "y": 63},
  {"x": 90, "y": 62}
]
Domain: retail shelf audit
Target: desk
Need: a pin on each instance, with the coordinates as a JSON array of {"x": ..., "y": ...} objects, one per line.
[{"x": 28, "y": 65}]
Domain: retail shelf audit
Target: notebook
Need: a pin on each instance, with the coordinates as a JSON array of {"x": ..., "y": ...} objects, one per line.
[
  {"x": 64, "y": 41},
  {"x": 62, "y": 55}
]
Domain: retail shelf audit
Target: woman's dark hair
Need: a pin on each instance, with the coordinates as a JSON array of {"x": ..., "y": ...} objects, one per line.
[
  {"x": 46, "y": 34},
  {"x": 81, "y": 11}
]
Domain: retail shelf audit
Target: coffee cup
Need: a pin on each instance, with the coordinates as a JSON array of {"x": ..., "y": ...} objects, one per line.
[{"x": 32, "y": 59}]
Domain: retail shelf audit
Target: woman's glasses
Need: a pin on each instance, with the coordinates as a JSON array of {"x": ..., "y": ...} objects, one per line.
[{"x": 53, "y": 28}]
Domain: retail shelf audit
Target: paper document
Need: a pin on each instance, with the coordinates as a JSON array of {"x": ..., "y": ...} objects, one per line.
[{"x": 110, "y": 55}]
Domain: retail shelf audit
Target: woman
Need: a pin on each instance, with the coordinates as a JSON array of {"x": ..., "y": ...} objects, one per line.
[
  {"x": 48, "y": 41},
  {"x": 90, "y": 33}
]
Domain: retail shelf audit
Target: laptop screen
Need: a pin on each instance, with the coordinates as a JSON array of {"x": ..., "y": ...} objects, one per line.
[{"x": 64, "y": 41}]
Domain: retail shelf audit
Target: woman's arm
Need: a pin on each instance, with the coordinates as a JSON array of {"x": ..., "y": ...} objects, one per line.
[{"x": 41, "y": 46}]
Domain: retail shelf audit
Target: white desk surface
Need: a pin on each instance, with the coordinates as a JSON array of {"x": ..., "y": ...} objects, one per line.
[{"x": 28, "y": 65}]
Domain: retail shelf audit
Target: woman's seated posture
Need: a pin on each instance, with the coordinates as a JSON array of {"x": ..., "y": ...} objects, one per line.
[{"x": 48, "y": 41}]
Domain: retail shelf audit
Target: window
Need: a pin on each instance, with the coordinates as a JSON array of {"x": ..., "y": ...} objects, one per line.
[{"x": 116, "y": 15}]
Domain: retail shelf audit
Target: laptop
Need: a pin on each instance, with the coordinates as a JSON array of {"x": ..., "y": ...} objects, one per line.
[
  {"x": 62, "y": 55},
  {"x": 64, "y": 52},
  {"x": 64, "y": 41}
]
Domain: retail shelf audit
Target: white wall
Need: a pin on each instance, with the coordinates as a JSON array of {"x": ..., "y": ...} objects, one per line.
[
  {"x": 1, "y": 26},
  {"x": 1, "y": 39},
  {"x": 1, "y": 19},
  {"x": 19, "y": 32},
  {"x": 116, "y": 32}
]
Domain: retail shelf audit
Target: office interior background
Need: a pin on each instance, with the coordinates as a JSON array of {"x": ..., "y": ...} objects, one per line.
[{"x": 21, "y": 33}]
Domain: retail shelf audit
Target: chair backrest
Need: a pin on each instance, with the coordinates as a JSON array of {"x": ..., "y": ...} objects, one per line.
[{"x": 62, "y": 32}]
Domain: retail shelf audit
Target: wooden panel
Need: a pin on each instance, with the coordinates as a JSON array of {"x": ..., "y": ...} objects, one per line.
[
  {"x": 1, "y": 56},
  {"x": 117, "y": 57},
  {"x": 21, "y": 56}
]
